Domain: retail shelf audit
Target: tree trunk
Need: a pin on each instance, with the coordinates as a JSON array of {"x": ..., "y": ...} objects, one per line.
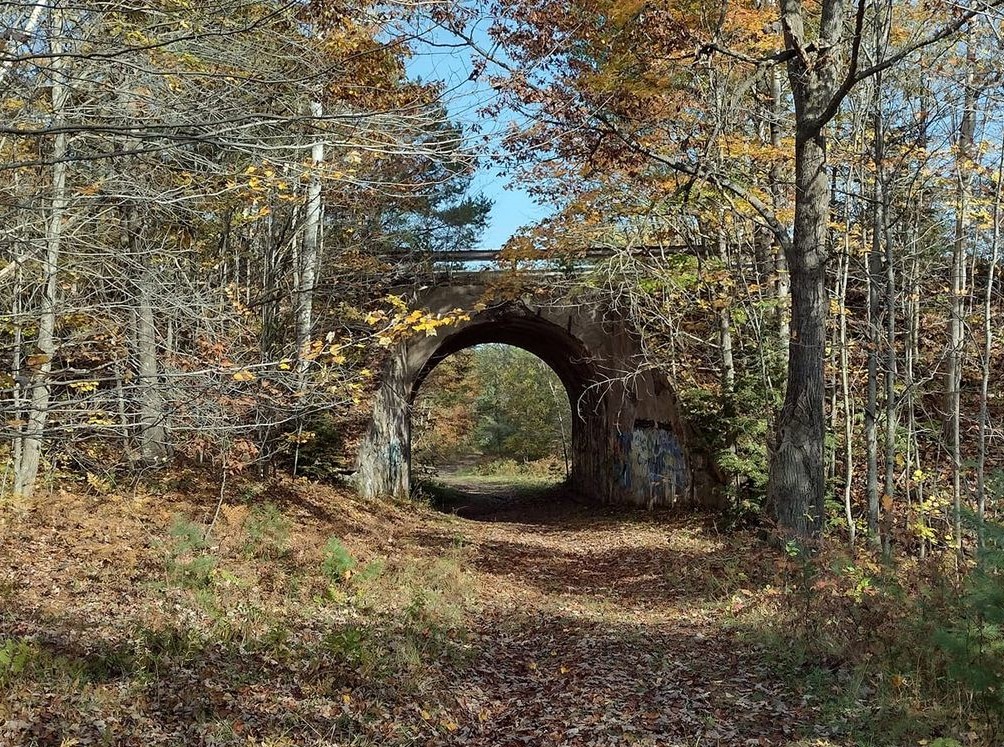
[
  {"x": 891, "y": 371},
  {"x": 913, "y": 455},
  {"x": 725, "y": 324},
  {"x": 988, "y": 347},
  {"x": 154, "y": 445},
  {"x": 953, "y": 369},
  {"x": 782, "y": 289},
  {"x": 874, "y": 272},
  {"x": 796, "y": 488},
  {"x": 843, "y": 276},
  {"x": 310, "y": 252},
  {"x": 875, "y": 307},
  {"x": 38, "y": 399},
  {"x": 26, "y": 31},
  {"x": 151, "y": 426}
]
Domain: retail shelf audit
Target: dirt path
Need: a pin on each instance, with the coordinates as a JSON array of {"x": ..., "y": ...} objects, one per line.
[
  {"x": 583, "y": 626},
  {"x": 487, "y": 499},
  {"x": 604, "y": 628}
]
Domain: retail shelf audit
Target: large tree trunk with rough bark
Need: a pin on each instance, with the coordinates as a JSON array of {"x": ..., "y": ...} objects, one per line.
[{"x": 797, "y": 480}]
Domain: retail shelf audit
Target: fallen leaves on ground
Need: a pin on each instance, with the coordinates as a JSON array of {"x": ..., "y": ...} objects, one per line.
[{"x": 577, "y": 626}]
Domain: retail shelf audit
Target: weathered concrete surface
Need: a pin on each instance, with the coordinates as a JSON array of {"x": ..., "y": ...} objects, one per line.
[{"x": 629, "y": 444}]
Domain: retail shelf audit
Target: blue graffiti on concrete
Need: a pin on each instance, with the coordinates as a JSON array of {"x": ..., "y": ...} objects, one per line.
[{"x": 651, "y": 464}]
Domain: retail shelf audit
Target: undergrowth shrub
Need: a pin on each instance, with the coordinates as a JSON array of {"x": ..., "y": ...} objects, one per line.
[
  {"x": 735, "y": 430},
  {"x": 26, "y": 659},
  {"x": 421, "y": 607},
  {"x": 896, "y": 650},
  {"x": 154, "y": 647},
  {"x": 189, "y": 564},
  {"x": 437, "y": 594},
  {"x": 974, "y": 639},
  {"x": 16, "y": 657},
  {"x": 549, "y": 467},
  {"x": 268, "y": 532},
  {"x": 355, "y": 645},
  {"x": 337, "y": 562}
]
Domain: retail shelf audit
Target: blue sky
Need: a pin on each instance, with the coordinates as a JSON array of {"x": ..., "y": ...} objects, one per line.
[{"x": 513, "y": 207}]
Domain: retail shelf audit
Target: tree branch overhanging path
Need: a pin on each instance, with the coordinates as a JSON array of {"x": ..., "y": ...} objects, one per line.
[{"x": 823, "y": 68}]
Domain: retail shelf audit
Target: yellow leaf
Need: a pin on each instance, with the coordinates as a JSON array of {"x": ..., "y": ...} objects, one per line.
[{"x": 244, "y": 376}]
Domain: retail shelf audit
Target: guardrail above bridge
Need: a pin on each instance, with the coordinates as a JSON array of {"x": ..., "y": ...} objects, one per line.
[{"x": 498, "y": 256}]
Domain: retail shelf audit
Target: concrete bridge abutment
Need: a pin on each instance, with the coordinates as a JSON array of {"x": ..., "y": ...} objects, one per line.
[{"x": 629, "y": 442}]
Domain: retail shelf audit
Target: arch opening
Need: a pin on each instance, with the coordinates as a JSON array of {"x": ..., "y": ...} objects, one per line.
[
  {"x": 491, "y": 427},
  {"x": 557, "y": 348}
]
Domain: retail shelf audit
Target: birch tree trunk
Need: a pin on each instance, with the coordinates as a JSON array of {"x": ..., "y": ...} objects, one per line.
[
  {"x": 875, "y": 306},
  {"x": 843, "y": 275},
  {"x": 38, "y": 398},
  {"x": 310, "y": 251},
  {"x": 725, "y": 324},
  {"x": 988, "y": 346},
  {"x": 891, "y": 372},
  {"x": 27, "y": 30},
  {"x": 953, "y": 369},
  {"x": 874, "y": 272},
  {"x": 782, "y": 289}
]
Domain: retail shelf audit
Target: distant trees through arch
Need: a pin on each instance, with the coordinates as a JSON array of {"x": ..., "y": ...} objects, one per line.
[{"x": 493, "y": 409}]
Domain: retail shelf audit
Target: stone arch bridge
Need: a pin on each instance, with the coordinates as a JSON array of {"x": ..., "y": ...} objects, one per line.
[{"x": 629, "y": 442}]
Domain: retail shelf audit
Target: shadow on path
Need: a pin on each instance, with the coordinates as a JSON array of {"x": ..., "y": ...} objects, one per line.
[{"x": 494, "y": 499}]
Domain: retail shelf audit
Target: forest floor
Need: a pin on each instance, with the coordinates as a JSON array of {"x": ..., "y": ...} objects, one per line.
[{"x": 308, "y": 616}]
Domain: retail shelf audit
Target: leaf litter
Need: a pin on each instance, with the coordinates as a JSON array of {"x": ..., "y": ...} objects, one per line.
[{"x": 579, "y": 626}]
